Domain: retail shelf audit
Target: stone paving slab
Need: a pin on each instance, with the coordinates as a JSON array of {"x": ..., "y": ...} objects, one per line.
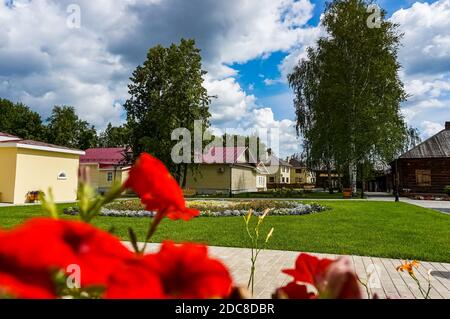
[{"x": 386, "y": 282}]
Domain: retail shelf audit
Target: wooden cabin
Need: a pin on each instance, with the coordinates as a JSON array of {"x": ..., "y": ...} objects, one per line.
[{"x": 425, "y": 169}]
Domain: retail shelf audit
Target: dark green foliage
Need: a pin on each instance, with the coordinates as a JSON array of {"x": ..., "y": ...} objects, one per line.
[
  {"x": 17, "y": 119},
  {"x": 348, "y": 91},
  {"x": 65, "y": 128},
  {"x": 114, "y": 136},
  {"x": 166, "y": 93}
]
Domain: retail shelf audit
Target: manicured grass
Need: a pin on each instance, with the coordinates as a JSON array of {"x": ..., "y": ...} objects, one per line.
[{"x": 384, "y": 229}]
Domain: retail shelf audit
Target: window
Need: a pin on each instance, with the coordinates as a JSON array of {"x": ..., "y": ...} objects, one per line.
[
  {"x": 298, "y": 180},
  {"x": 298, "y": 170},
  {"x": 62, "y": 176},
  {"x": 261, "y": 181},
  {"x": 109, "y": 177},
  {"x": 271, "y": 179},
  {"x": 287, "y": 180},
  {"x": 423, "y": 177},
  {"x": 282, "y": 179}
]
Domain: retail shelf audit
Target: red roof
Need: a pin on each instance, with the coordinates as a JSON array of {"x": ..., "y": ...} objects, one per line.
[
  {"x": 104, "y": 156},
  {"x": 6, "y": 138},
  {"x": 7, "y": 135},
  {"x": 223, "y": 155}
]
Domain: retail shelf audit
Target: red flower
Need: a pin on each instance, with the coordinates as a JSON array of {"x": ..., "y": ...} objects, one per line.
[
  {"x": 294, "y": 290},
  {"x": 31, "y": 251},
  {"x": 333, "y": 279},
  {"x": 12, "y": 287},
  {"x": 341, "y": 282},
  {"x": 309, "y": 269},
  {"x": 134, "y": 280},
  {"x": 158, "y": 190},
  {"x": 186, "y": 272}
]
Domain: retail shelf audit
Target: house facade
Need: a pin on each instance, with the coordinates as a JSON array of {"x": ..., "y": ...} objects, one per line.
[
  {"x": 425, "y": 169},
  {"x": 300, "y": 174},
  {"x": 28, "y": 166},
  {"x": 280, "y": 171},
  {"x": 226, "y": 170},
  {"x": 107, "y": 166}
]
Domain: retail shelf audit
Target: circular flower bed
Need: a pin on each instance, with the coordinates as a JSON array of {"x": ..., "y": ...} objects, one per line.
[{"x": 215, "y": 208}]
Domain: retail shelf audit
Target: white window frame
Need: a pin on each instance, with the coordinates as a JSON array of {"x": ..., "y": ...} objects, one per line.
[
  {"x": 108, "y": 179},
  {"x": 62, "y": 176}
]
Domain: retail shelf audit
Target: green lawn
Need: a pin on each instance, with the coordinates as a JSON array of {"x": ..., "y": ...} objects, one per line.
[{"x": 396, "y": 230}]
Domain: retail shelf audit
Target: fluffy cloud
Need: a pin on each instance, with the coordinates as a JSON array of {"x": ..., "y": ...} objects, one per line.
[
  {"x": 425, "y": 57},
  {"x": 43, "y": 62}
]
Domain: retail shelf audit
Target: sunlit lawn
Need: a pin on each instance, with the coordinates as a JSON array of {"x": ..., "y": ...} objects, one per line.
[{"x": 384, "y": 229}]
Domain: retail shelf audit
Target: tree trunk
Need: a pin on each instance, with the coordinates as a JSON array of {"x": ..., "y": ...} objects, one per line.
[
  {"x": 185, "y": 169},
  {"x": 330, "y": 184},
  {"x": 178, "y": 174},
  {"x": 362, "y": 180},
  {"x": 352, "y": 172}
]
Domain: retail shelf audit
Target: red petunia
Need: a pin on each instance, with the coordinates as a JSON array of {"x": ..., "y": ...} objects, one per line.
[
  {"x": 158, "y": 190},
  {"x": 38, "y": 247},
  {"x": 13, "y": 287},
  {"x": 135, "y": 280},
  {"x": 294, "y": 290},
  {"x": 309, "y": 269},
  {"x": 341, "y": 282},
  {"x": 186, "y": 272},
  {"x": 333, "y": 279}
]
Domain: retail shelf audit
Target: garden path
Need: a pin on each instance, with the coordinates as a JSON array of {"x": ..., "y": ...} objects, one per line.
[{"x": 386, "y": 283}]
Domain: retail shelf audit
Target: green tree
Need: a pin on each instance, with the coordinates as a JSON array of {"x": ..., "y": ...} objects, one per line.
[
  {"x": 114, "y": 136},
  {"x": 17, "y": 119},
  {"x": 65, "y": 128},
  {"x": 348, "y": 92},
  {"x": 166, "y": 93}
]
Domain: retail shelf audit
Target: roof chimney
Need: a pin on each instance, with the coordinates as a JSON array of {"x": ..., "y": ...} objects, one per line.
[{"x": 447, "y": 126}]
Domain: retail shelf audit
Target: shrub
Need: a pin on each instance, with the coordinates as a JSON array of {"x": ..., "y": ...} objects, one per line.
[{"x": 447, "y": 190}]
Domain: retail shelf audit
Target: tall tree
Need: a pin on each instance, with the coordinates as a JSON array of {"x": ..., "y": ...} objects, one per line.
[
  {"x": 348, "y": 92},
  {"x": 65, "y": 128},
  {"x": 166, "y": 93},
  {"x": 114, "y": 136},
  {"x": 17, "y": 119}
]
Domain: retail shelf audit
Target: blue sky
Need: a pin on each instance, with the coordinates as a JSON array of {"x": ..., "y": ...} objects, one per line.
[
  {"x": 248, "y": 48},
  {"x": 278, "y": 96}
]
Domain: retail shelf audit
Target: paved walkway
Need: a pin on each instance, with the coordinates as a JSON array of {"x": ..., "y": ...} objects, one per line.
[
  {"x": 442, "y": 206},
  {"x": 387, "y": 283}
]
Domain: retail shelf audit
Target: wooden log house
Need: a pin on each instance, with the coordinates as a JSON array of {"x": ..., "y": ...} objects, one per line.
[{"x": 425, "y": 169}]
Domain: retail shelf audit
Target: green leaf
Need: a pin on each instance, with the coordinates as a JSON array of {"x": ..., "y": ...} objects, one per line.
[{"x": 133, "y": 239}]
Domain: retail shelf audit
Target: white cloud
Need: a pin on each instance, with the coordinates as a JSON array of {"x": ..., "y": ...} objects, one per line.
[
  {"x": 431, "y": 128},
  {"x": 425, "y": 57},
  {"x": 43, "y": 62}
]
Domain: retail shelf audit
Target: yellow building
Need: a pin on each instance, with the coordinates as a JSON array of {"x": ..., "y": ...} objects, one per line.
[
  {"x": 300, "y": 174},
  {"x": 27, "y": 167},
  {"x": 106, "y": 166},
  {"x": 280, "y": 171},
  {"x": 229, "y": 172}
]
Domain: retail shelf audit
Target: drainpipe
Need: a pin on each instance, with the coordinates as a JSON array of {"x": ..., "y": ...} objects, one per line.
[{"x": 231, "y": 181}]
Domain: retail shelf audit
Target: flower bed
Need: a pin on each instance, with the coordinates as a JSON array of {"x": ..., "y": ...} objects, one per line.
[{"x": 213, "y": 208}]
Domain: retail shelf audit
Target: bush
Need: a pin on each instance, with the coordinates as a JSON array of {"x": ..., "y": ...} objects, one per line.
[{"x": 447, "y": 190}]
